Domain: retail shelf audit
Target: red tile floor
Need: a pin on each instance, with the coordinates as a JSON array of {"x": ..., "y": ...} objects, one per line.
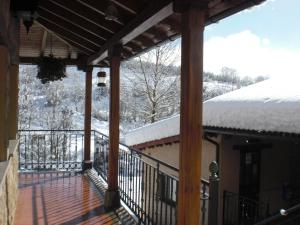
[{"x": 60, "y": 198}]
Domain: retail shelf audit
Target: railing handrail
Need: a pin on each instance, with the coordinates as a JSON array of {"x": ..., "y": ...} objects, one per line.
[
  {"x": 147, "y": 156},
  {"x": 122, "y": 144},
  {"x": 282, "y": 214},
  {"x": 55, "y": 130},
  {"x": 41, "y": 149}
]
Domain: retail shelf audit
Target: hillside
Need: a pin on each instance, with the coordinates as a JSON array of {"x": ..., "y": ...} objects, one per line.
[{"x": 60, "y": 104}]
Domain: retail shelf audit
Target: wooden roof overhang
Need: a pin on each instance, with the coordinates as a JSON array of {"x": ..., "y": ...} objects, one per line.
[{"x": 79, "y": 27}]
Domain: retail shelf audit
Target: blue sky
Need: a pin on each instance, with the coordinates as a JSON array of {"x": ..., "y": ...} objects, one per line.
[
  {"x": 267, "y": 37},
  {"x": 277, "y": 20},
  {"x": 261, "y": 41}
]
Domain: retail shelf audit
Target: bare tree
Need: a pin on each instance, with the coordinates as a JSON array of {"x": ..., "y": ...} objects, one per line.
[
  {"x": 154, "y": 84},
  {"x": 28, "y": 87},
  {"x": 231, "y": 76}
]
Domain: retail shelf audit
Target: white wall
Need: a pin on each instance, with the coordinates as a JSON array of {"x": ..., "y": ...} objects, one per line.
[{"x": 170, "y": 155}]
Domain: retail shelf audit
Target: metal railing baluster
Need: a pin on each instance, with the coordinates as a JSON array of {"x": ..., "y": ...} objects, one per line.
[{"x": 152, "y": 199}]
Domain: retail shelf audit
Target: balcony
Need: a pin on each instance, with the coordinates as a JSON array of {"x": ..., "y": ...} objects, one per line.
[
  {"x": 63, "y": 198},
  {"x": 53, "y": 189}
]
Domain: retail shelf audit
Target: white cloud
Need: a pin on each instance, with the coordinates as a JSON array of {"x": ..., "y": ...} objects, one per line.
[
  {"x": 258, "y": 7},
  {"x": 250, "y": 55}
]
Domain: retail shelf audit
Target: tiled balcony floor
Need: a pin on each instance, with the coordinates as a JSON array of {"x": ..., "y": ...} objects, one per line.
[{"x": 60, "y": 198}]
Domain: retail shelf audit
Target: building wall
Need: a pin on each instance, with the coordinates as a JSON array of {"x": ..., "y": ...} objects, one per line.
[
  {"x": 229, "y": 164},
  {"x": 279, "y": 172},
  {"x": 170, "y": 155},
  {"x": 229, "y": 171},
  {"x": 277, "y": 178}
]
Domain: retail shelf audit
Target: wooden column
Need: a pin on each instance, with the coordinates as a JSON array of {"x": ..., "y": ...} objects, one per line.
[
  {"x": 193, "y": 19},
  {"x": 112, "y": 196},
  {"x": 13, "y": 103},
  {"x": 87, "y": 164},
  {"x": 4, "y": 72}
]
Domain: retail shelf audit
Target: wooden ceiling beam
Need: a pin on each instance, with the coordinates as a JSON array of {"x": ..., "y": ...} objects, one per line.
[
  {"x": 128, "y": 5},
  {"x": 44, "y": 42},
  {"x": 33, "y": 60},
  {"x": 100, "y": 7},
  {"x": 66, "y": 61},
  {"x": 71, "y": 33},
  {"x": 142, "y": 22},
  {"x": 138, "y": 43},
  {"x": 70, "y": 27},
  {"x": 67, "y": 35},
  {"x": 88, "y": 14},
  {"x": 69, "y": 51},
  {"x": 160, "y": 33},
  {"x": 80, "y": 48},
  {"x": 134, "y": 47},
  {"x": 174, "y": 23},
  {"x": 145, "y": 39},
  {"x": 48, "y": 31},
  {"x": 75, "y": 20},
  {"x": 69, "y": 43},
  {"x": 127, "y": 51}
]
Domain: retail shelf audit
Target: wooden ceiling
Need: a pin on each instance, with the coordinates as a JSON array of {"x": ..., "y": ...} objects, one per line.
[{"x": 79, "y": 28}]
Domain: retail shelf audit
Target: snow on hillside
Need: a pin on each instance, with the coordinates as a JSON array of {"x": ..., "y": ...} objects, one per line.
[
  {"x": 43, "y": 106},
  {"x": 100, "y": 126}
]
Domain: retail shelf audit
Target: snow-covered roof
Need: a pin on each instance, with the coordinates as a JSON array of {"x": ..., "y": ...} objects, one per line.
[
  {"x": 269, "y": 106},
  {"x": 155, "y": 131}
]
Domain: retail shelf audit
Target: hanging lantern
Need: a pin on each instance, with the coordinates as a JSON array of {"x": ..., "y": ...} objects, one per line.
[{"x": 101, "y": 79}]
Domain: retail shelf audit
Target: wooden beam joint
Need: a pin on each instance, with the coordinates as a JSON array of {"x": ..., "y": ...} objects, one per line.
[
  {"x": 181, "y": 6},
  {"x": 115, "y": 50}
]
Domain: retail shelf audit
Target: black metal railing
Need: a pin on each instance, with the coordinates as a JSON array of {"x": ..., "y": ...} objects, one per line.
[
  {"x": 50, "y": 149},
  {"x": 147, "y": 186},
  {"x": 289, "y": 216},
  {"x": 239, "y": 210}
]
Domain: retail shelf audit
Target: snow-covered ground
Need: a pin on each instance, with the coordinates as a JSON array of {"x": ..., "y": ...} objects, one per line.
[{"x": 100, "y": 126}]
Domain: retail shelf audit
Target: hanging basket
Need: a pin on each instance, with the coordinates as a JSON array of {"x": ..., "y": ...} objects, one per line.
[{"x": 50, "y": 69}]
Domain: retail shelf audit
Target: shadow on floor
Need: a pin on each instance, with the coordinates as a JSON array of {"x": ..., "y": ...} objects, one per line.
[{"x": 63, "y": 198}]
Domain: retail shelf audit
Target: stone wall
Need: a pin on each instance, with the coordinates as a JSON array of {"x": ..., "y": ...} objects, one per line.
[{"x": 9, "y": 185}]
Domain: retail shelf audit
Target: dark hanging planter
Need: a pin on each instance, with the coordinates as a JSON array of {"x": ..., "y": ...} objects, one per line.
[{"x": 50, "y": 69}]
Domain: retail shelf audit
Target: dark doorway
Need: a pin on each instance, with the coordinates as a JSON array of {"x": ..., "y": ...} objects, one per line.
[
  {"x": 244, "y": 208},
  {"x": 249, "y": 186},
  {"x": 250, "y": 174}
]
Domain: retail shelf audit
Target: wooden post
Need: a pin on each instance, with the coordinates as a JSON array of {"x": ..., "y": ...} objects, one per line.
[
  {"x": 4, "y": 72},
  {"x": 13, "y": 105},
  {"x": 112, "y": 196},
  {"x": 193, "y": 22},
  {"x": 87, "y": 164}
]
